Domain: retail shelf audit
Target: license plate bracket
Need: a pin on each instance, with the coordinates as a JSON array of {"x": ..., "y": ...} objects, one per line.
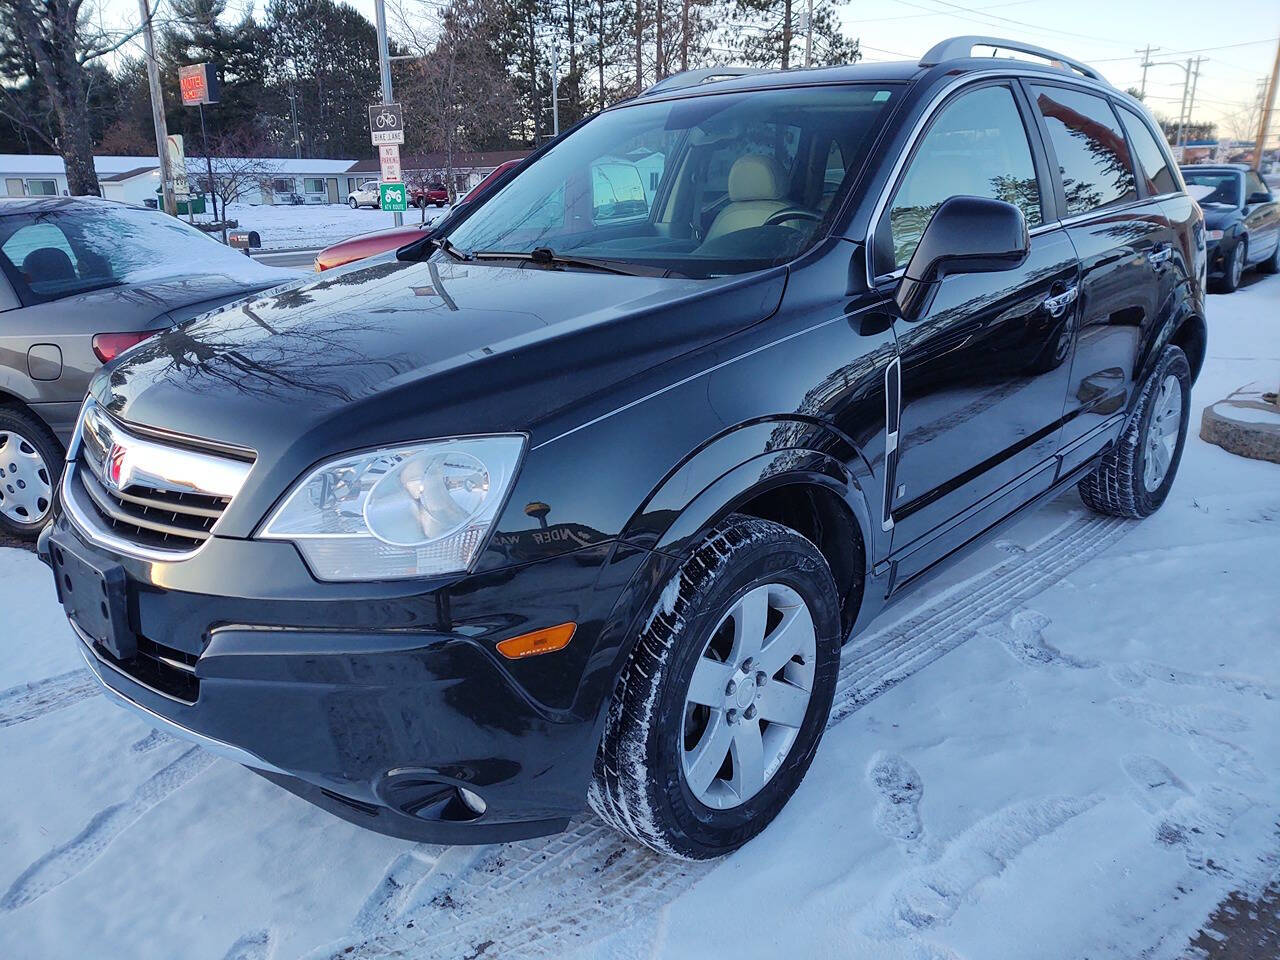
[{"x": 94, "y": 593}]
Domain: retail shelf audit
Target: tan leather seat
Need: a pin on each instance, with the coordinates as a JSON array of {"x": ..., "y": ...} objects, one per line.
[{"x": 755, "y": 194}]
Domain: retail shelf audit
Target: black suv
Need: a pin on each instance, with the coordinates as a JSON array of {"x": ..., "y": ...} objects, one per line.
[{"x": 563, "y": 503}]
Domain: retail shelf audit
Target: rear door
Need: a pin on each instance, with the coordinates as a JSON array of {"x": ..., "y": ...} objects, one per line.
[
  {"x": 1125, "y": 243},
  {"x": 983, "y": 373}
]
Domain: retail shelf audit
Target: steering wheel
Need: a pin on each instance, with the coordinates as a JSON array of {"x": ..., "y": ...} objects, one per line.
[{"x": 791, "y": 213}]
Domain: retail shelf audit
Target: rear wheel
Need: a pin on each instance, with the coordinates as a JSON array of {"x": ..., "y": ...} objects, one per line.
[
  {"x": 1272, "y": 263},
  {"x": 1134, "y": 477},
  {"x": 30, "y": 465},
  {"x": 718, "y": 713}
]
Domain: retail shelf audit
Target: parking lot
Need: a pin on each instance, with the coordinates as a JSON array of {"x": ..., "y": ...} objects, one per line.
[{"x": 1072, "y": 738}]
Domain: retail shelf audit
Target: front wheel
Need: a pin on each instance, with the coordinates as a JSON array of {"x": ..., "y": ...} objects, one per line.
[
  {"x": 1134, "y": 477},
  {"x": 1233, "y": 269},
  {"x": 30, "y": 466},
  {"x": 353, "y": 203},
  {"x": 718, "y": 713}
]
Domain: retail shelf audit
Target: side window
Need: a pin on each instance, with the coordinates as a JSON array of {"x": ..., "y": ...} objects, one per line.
[
  {"x": 1152, "y": 160},
  {"x": 617, "y": 193},
  {"x": 1253, "y": 186},
  {"x": 1092, "y": 154},
  {"x": 977, "y": 146}
]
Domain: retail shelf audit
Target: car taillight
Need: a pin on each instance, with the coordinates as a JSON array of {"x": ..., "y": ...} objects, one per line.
[{"x": 108, "y": 346}]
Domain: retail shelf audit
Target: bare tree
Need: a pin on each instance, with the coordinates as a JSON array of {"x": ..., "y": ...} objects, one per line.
[
  {"x": 60, "y": 41},
  {"x": 238, "y": 167}
]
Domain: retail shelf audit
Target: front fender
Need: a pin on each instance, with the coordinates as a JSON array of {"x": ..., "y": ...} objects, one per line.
[{"x": 743, "y": 462}]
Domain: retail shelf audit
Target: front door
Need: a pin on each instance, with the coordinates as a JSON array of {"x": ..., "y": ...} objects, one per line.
[
  {"x": 983, "y": 372},
  {"x": 332, "y": 189}
]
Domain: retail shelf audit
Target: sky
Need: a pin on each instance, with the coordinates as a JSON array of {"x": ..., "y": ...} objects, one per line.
[{"x": 1107, "y": 34}]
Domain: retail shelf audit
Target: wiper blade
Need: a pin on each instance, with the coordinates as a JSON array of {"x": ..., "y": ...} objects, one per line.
[{"x": 545, "y": 256}]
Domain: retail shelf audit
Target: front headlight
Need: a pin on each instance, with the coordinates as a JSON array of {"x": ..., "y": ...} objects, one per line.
[
  {"x": 1213, "y": 234},
  {"x": 412, "y": 511}
]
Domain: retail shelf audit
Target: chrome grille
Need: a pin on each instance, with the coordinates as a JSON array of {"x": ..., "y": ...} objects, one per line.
[{"x": 156, "y": 498}]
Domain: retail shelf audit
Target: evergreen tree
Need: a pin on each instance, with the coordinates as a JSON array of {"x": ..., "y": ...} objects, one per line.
[{"x": 773, "y": 38}]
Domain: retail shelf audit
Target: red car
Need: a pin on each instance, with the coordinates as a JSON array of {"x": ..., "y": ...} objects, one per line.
[
  {"x": 369, "y": 244},
  {"x": 433, "y": 193}
]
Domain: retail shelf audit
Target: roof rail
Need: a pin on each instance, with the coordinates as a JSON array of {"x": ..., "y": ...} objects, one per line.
[
  {"x": 692, "y": 78},
  {"x": 961, "y": 48}
]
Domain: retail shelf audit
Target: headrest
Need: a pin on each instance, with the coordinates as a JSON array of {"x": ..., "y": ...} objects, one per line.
[
  {"x": 47, "y": 264},
  {"x": 755, "y": 177}
]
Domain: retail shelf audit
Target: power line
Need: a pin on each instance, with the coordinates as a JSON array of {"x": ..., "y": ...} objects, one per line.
[{"x": 967, "y": 12}]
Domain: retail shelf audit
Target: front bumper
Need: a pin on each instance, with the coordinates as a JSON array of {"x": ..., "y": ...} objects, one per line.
[{"x": 384, "y": 703}]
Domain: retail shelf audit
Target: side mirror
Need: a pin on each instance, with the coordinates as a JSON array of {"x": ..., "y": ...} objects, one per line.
[{"x": 964, "y": 235}]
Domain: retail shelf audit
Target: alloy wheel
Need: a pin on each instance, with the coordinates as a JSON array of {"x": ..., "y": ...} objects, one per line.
[
  {"x": 25, "y": 488},
  {"x": 1237, "y": 265},
  {"x": 1162, "y": 433},
  {"x": 748, "y": 696}
]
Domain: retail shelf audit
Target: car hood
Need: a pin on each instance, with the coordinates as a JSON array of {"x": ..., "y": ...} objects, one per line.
[
  {"x": 398, "y": 350},
  {"x": 1219, "y": 218}
]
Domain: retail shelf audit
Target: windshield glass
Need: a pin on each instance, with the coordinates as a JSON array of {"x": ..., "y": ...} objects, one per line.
[
  {"x": 1223, "y": 186},
  {"x": 702, "y": 186},
  {"x": 58, "y": 253}
]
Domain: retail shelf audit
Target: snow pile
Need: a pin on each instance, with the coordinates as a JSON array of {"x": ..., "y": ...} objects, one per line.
[{"x": 1068, "y": 746}]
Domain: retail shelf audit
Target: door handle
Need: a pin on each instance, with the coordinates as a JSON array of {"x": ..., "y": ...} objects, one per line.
[
  {"x": 1057, "y": 305},
  {"x": 1160, "y": 255}
]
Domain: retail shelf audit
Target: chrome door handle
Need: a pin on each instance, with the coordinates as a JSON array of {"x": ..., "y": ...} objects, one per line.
[
  {"x": 1157, "y": 257},
  {"x": 1057, "y": 305}
]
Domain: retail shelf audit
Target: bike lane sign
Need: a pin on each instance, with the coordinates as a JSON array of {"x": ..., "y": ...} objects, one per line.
[{"x": 386, "y": 123}]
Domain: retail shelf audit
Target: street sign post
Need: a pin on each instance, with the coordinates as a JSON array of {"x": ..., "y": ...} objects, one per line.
[
  {"x": 386, "y": 124},
  {"x": 389, "y": 159},
  {"x": 394, "y": 197}
]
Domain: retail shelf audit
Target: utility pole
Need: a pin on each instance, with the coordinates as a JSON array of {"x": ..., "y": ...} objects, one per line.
[
  {"x": 1195, "y": 81},
  {"x": 808, "y": 35},
  {"x": 157, "y": 112},
  {"x": 384, "y": 62},
  {"x": 555, "y": 87},
  {"x": 684, "y": 35},
  {"x": 1146, "y": 62},
  {"x": 1268, "y": 103},
  {"x": 1182, "y": 110},
  {"x": 659, "y": 70}
]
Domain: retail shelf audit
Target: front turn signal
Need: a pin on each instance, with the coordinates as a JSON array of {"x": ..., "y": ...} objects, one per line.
[{"x": 539, "y": 641}]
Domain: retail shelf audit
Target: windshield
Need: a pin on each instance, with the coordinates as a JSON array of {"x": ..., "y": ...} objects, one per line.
[
  {"x": 1223, "y": 186},
  {"x": 59, "y": 253},
  {"x": 701, "y": 186}
]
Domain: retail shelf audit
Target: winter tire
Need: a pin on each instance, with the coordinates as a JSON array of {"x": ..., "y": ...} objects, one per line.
[
  {"x": 717, "y": 715},
  {"x": 1134, "y": 477},
  {"x": 30, "y": 467}
]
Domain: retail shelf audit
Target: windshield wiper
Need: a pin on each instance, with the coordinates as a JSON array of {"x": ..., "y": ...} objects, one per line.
[
  {"x": 546, "y": 257},
  {"x": 445, "y": 244}
]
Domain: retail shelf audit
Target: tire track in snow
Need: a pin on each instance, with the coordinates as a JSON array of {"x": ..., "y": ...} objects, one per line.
[
  {"x": 70, "y": 859},
  {"x": 252, "y": 946},
  {"x": 542, "y": 897},
  {"x": 30, "y": 700}
]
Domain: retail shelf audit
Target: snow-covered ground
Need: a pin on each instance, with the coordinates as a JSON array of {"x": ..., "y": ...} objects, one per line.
[
  {"x": 1067, "y": 747},
  {"x": 311, "y": 226}
]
